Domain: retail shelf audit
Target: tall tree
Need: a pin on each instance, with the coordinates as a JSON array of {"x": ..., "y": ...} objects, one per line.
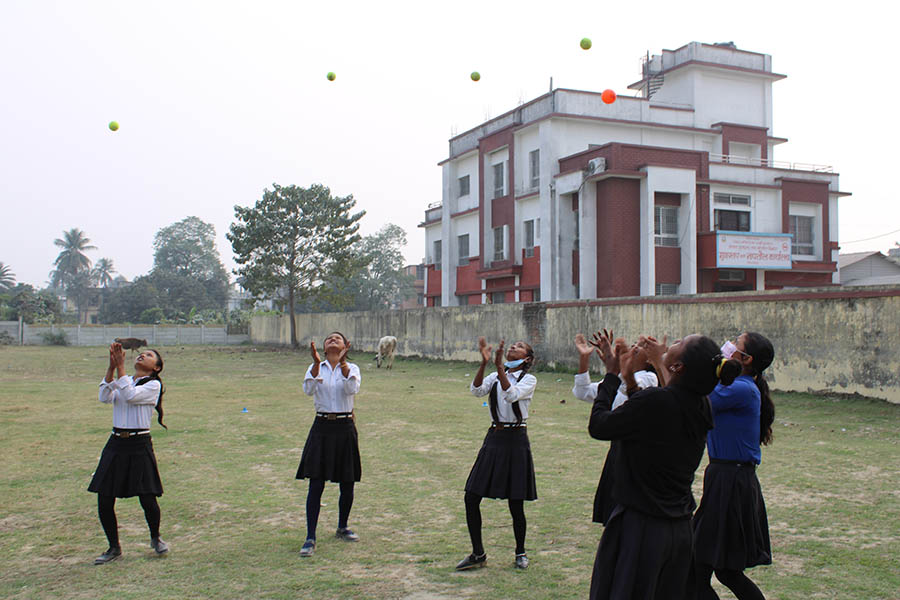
[
  {"x": 292, "y": 241},
  {"x": 7, "y": 277},
  {"x": 187, "y": 250},
  {"x": 103, "y": 271},
  {"x": 72, "y": 258}
]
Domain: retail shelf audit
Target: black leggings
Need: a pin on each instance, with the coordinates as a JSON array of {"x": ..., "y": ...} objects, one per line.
[
  {"x": 473, "y": 521},
  {"x": 739, "y": 584},
  {"x": 106, "y": 509},
  {"x": 314, "y": 503}
]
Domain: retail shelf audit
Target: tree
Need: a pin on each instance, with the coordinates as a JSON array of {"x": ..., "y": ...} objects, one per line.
[
  {"x": 186, "y": 250},
  {"x": 126, "y": 304},
  {"x": 72, "y": 258},
  {"x": 33, "y": 306},
  {"x": 7, "y": 277},
  {"x": 292, "y": 241},
  {"x": 103, "y": 271}
]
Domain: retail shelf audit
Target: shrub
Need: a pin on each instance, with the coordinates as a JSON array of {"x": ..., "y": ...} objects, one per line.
[{"x": 55, "y": 338}]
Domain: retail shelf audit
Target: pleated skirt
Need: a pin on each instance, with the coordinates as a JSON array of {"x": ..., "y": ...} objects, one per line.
[
  {"x": 127, "y": 468},
  {"x": 504, "y": 467},
  {"x": 642, "y": 557},
  {"x": 331, "y": 452},
  {"x": 603, "y": 499},
  {"x": 731, "y": 527}
]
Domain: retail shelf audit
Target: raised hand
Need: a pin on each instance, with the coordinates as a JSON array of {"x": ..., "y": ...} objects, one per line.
[
  {"x": 315, "y": 353},
  {"x": 498, "y": 356},
  {"x": 485, "y": 351},
  {"x": 654, "y": 348},
  {"x": 342, "y": 358},
  {"x": 583, "y": 346},
  {"x": 118, "y": 354}
]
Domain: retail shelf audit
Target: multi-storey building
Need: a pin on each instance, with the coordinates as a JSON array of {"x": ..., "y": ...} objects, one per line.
[{"x": 673, "y": 191}]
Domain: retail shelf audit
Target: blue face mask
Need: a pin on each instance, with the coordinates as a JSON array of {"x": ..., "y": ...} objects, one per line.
[{"x": 512, "y": 364}]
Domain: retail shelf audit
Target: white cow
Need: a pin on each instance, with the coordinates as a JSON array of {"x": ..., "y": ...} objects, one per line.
[{"x": 386, "y": 347}]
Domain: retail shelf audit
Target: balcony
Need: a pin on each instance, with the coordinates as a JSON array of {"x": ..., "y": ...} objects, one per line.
[
  {"x": 433, "y": 212},
  {"x": 732, "y": 159}
]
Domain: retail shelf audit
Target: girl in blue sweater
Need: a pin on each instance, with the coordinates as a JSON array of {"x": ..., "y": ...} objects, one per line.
[{"x": 731, "y": 529}]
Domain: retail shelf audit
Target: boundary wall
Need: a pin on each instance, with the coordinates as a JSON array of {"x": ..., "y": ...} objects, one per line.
[
  {"x": 103, "y": 335},
  {"x": 827, "y": 340}
]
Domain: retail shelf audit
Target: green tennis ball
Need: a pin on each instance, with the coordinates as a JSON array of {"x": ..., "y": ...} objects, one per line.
[
  {"x": 585, "y": 43},
  {"x": 113, "y": 125},
  {"x": 475, "y": 76},
  {"x": 331, "y": 76}
]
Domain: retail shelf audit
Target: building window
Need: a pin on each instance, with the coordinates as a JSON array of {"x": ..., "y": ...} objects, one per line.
[
  {"x": 499, "y": 180},
  {"x": 802, "y": 233},
  {"x": 732, "y": 220},
  {"x": 529, "y": 238},
  {"x": 463, "y": 186},
  {"x": 536, "y": 295},
  {"x": 732, "y": 199},
  {"x": 420, "y": 272},
  {"x": 498, "y": 297},
  {"x": 731, "y": 275},
  {"x": 499, "y": 245},
  {"x": 463, "y": 245},
  {"x": 666, "y": 289},
  {"x": 420, "y": 300},
  {"x": 534, "y": 164},
  {"x": 462, "y": 299},
  {"x": 665, "y": 226},
  {"x": 437, "y": 255}
]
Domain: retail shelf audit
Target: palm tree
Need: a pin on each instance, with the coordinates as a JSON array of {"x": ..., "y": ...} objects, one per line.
[
  {"x": 71, "y": 259},
  {"x": 103, "y": 271},
  {"x": 7, "y": 277}
]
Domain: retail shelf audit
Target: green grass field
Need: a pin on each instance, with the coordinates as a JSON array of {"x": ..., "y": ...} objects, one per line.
[{"x": 233, "y": 513}]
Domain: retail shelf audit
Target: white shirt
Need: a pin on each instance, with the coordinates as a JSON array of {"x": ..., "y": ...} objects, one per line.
[
  {"x": 587, "y": 391},
  {"x": 521, "y": 390},
  {"x": 331, "y": 391},
  {"x": 132, "y": 405}
]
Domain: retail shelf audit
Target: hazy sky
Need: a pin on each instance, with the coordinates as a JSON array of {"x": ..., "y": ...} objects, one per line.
[{"x": 217, "y": 100}]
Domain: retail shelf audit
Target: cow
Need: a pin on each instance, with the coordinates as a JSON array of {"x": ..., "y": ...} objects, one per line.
[
  {"x": 131, "y": 343},
  {"x": 386, "y": 347}
]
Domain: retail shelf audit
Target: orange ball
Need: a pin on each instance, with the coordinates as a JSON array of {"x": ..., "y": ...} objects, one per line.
[{"x": 608, "y": 96}]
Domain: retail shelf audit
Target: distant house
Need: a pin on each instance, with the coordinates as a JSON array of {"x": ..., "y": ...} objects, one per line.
[
  {"x": 239, "y": 298},
  {"x": 867, "y": 268},
  {"x": 417, "y": 271}
]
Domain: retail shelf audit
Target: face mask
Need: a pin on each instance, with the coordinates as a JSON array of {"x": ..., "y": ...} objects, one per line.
[
  {"x": 512, "y": 364},
  {"x": 728, "y": 349}
]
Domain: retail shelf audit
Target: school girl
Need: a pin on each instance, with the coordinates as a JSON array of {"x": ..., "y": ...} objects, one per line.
[
  {"x": 332, "y": 447},
  {"x": 504, "y": 468},
  {"x": 645, "y": 550},
  {"x": 731, "y": 528},
  {"x": 127, "y": 465},
  {"x": 586, "y": 391}
]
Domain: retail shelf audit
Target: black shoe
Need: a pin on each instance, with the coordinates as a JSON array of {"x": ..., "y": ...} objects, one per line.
[
  {"x": 347, "y": 535},
  {"x": 471, "y": 562},
  {"x": 110, "y": 555},
  {"x": 521, "y": 561},
  {"x": 159, "y": 545},
  {"x": 309, "y": 546}
]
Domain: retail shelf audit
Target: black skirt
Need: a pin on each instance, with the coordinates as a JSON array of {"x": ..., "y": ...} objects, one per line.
[
  {"x": 504, "y": 467},
  {"x": 642, "y": 557},
  {"x": 731, "y": 528},
  {"x": 127, "y": 468},
  {"x": 331, "y": 452}
]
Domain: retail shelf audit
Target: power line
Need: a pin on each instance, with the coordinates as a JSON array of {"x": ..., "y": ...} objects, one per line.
[{"x": 872, "y": 238}]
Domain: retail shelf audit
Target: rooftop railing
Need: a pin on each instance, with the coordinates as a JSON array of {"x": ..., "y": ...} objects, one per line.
[{"x": 732, "y": 159}]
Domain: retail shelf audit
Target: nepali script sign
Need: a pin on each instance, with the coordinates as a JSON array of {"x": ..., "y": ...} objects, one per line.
[{"x": 753, "y": 250}]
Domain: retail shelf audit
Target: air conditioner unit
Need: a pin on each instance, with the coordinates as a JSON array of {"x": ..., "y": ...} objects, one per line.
[{"x": 596, "y": 165}]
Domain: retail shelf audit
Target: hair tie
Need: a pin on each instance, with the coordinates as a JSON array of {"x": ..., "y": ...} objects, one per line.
[{"x": 719, "y": 368}]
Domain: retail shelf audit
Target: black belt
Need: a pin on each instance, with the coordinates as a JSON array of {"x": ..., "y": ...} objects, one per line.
[
  {"x": 127, "y": 433},
  {"x": 334, "y": 416},
  {"x": 735, "y": 463},
  {"x": 496, "y": 425}
]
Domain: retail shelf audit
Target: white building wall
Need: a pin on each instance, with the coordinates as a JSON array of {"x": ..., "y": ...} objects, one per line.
[
  {"x": 526, "y": 209},
  {"x": 727, "y": 98},
  {"x": 466, "y": 165},
  {"x": 526, "y": 140},
  {"x": 678, "y": 181}
]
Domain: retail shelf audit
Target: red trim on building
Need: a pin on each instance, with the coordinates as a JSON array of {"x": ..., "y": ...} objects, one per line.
[
  {"x": 464, "y": 212},
  {"x": 618, "y": 238},
  {"x": 745, "y": 134}
]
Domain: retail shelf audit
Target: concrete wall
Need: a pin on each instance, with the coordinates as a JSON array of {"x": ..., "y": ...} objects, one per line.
[
  {"x": 825, "y": 340},
  {"x": 156, "y": 335}
]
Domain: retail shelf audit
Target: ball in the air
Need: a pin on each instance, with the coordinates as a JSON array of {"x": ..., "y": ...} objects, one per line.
[
  {"x": 113, "y": 125},
  {"x": 475, "y": 75},
  {"x": 331, "y": 76},
  {"x": 608, "y": 96},
  {"x": 585, "y": 43}
]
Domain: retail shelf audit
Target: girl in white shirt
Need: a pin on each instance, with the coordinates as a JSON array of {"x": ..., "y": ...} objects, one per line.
[
  {"x": 128, "y": 465},
  {"x": 504, "y": 468},
  {"x": 332, "y": 446},
  {"x": 584, "y": 390}
]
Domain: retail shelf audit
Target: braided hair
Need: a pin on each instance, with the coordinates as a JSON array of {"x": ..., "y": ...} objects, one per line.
[
  {"x": 154, "y": 376},
  {"x": 760, "y": 349},
  {"x": 528, "y": 363},
  {"x": 705, "y": 366}
]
